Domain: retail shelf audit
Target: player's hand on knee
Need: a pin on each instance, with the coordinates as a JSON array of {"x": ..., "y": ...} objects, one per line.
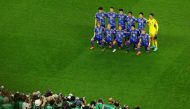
[
  {"x": 114, "y": 42},
  {"x": 128, "y": 42}
]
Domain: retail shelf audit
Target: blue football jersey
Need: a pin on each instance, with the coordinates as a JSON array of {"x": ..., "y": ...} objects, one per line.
[
  {"x": 144, "y": 39},
  {"x": 130, "y": 21},
  {"x": 111, "y": 18},
  {"x": 141, "y": 23},
  {"x": 120, "y": 35},
  {"x": 121, "y": 19},
  {"x": 109, "y": 33},
  {"x": 100, "y": 17},
  {"x": 99, "y": 32},
  {"x": 134, "y": 35}
]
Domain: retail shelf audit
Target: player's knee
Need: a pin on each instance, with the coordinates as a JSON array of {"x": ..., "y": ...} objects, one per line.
[
  {"x": 138, "y": 46},
  {"x": 147, "y": 48},
  {"x": 127, "y": 42},
  {"x": 92, "y": 40}
]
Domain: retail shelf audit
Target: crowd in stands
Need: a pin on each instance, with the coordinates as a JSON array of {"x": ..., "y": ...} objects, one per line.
[{"x": 50, "y": 100}]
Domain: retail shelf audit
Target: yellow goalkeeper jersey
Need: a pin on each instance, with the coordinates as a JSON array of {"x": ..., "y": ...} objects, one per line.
[{"x": 153, "y": 25}]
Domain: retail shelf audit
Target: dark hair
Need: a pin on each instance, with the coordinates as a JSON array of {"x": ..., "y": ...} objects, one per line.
[
  {"x": 121, "y": 10},
  {"x": 130, "y": 12},
  {"x": 93, "y": 103},
  {"x": 100, "y": 8},
  {"x": 137, "y": 107},
  {"x": 81, "y": 99},
  {"x": 141, "y": 13},
  {"x": 73, "y": 98},
  {"x": 133, "y": 26},
  {"x": 100, "y": 100},
  {"x": 51, "y": 102},
  {"x": 152, "y": 14},
  {"x": 48, "y": 93},
  {"x": 116, "y": 104},
  {"x": 111, "y": 7}
]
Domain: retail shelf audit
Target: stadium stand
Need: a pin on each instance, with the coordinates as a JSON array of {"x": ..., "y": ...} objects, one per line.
[{"x": 50, "y": 100}]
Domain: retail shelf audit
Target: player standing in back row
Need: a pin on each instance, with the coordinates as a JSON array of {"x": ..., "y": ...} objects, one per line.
[
  {"x": 130, "y": 19},
  {"x": 100, "y": 17},
  {"x": 121, "y": 19},
  {"x": 141, "y": 21},
  {"x": 153, "y": 31},
  {"x": 112, "y": 18}
]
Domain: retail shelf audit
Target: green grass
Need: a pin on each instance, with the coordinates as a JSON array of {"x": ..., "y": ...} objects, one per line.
[{"x": 44, "y": 44}]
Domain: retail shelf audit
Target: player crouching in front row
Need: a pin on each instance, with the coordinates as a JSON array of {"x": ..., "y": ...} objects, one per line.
[
  {"x": 120, "y": 34},
  {"x": 109, "y": 33},
  {"x": 133, "y": 38},
  {"x": 144, "y": 41},
  {"x": 98, "y": 32}
]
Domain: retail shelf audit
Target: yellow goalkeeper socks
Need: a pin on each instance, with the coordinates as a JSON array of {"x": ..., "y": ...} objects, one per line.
[
  {"x": 156, "y": 43},
  {"x": 152, "y": 42}
]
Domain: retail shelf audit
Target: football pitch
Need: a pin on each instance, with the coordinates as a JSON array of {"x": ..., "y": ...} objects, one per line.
[{"x": 44, "y": 44}]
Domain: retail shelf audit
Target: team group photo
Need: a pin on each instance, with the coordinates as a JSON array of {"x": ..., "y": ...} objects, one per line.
[{"x": 121, "y": 31}]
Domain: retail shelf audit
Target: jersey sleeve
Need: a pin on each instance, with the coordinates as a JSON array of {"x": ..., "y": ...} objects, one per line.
[
  {"x": 145, "y": 21},
  {"x": 138, "y": 33},
  {"x": 156, "y": 24},
  {"x": 116, "y": 15},
  {"x": 106, "y": 15},
  {"x": 96, "y": 16},
  {"x": 148, "y": 35},
  {"x": 125, "y": 33},
  {"x": 105, "y": 32},
  {"x": 135, "y": 20},
  {"x": 126, "y": 18}
]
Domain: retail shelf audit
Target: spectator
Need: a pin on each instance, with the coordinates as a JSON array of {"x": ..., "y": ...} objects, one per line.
[
  {"x": 126, "y": 107},
  {"x": 117, "y": 105},
  {"x": 27, "y": 103},
  {"x": 100, "y": 104},
  {"x": 110, "y": 104},
  {"x": 92, "y": 104},
  {"x": 58, "y": 102},
  {"x": 7, "y": 104},
  {"x": 65, "y": 104},
  {"x": 51, "y": 104}
]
